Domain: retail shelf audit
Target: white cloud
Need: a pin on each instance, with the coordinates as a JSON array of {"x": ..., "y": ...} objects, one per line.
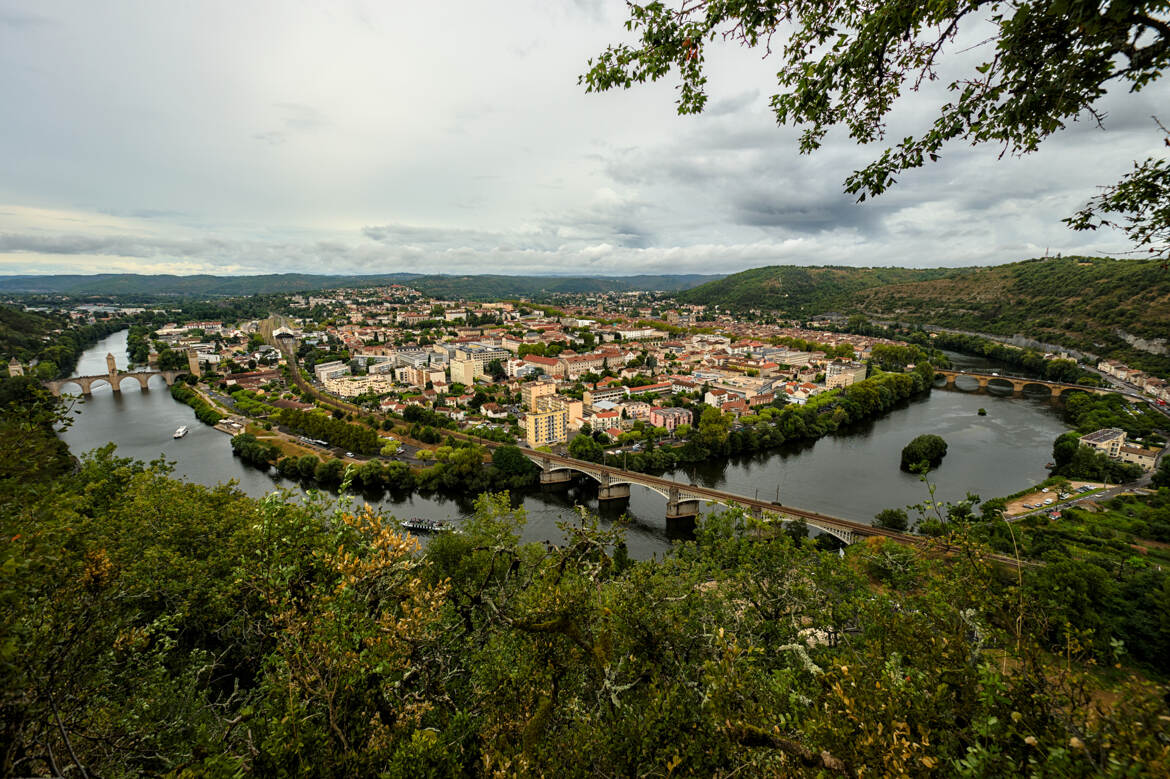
[{"x": 453, "y": 137}]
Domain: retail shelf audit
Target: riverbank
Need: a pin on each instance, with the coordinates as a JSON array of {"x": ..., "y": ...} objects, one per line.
[{"x": 842, "y": 474}]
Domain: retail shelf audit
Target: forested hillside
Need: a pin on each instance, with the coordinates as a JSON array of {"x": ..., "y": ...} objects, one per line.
[
  {"x": 1082, "y": 299},
  {"x": 53, "y": 341},
  {"x": 1086, "y": 303},
  {"x": 794, "y": 290},
  {"x": 24, "y": 332},
  {"x": 1094, "y": 304}
]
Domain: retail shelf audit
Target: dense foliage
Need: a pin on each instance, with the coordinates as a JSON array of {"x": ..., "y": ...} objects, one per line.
[
  {"x": 251, "y": 450},
  {"x": 317, "y": 425},
  {"x": 1027, "y": 361},
  {"x": 1106, "y": 583},
  {"x": 156, "y": 627},
  {"x": 1086, "y": 303},
  {"x": 204, "y": 412},
  {"x": 1087, "y": 413},
  {"x": 52, "y": 340},
  {"x": 1093, "y": 304},
  {"x": 923, "y": 452}
]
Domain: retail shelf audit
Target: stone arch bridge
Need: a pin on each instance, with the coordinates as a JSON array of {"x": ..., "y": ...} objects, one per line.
[
  {"x": 1017, "y": 383},
  {"x": 113, "y": 377}
]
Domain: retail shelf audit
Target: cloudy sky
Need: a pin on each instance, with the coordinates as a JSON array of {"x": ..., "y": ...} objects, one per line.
[{"x": 452, "y": 137}]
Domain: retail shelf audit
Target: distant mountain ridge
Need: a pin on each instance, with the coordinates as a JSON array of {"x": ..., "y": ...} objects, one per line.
[{"x": 465, "y": 286}]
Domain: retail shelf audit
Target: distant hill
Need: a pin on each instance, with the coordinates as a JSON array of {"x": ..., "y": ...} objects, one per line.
[
  {"x": 161, "y": 285},
  {"x": 1075, "y": 301},
  {"x": 793, "y": 290},
  {"x": 470, "y": 287},
  {"x": 1098, "y": 305},
  {"x": 486, "y": 287}
]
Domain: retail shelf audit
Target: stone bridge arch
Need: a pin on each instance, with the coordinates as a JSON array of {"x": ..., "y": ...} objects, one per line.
[{"x": 1001, "y": 385}]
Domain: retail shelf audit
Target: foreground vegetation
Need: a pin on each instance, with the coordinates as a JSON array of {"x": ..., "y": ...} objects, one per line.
[{"x": 157, "y": 627}]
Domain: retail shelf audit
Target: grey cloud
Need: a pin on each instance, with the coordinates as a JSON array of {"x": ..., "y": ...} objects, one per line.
[
  {"x": 115, "y": 245},
  {"x": 295, "y": 118},
  {"x": 733, "y": 104},
  {"x": 798, "y": 212},
  {"x": 22, "y": 20},
  {"x": 298, "y": 116},
  {"x": 272, "y": 137}
]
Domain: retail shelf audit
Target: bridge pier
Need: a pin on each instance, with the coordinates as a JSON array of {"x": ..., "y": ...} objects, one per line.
[
  {"x": 613, "y": 492},
  {"x": 681, "y": 517},
  {"x": 682, "y": 509},
  {"x": 555, "y": 477}
]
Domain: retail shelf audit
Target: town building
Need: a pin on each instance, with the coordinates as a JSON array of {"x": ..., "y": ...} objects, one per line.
[
  {"x": 594, "y": 396},
  {"x": 1140, "y": 456},
  {"x": 466, "y": 371},
  {"x": 533, "y": 390},
  {"x": 670, "y": 418},
  {"x": 331, "y": 370},
  {"x": 1108, "y": 440},
  {"x": 547, "y": 425},
  {"x": 843, "y": 374}
]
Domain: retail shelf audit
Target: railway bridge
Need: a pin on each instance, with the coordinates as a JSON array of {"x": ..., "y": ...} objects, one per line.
[{"x": 682, "y": 500}]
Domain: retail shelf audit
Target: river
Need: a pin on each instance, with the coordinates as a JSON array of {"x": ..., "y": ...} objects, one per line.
[{"x": 853, "y": 474}]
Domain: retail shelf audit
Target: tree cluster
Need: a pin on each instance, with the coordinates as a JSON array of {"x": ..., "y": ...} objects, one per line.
[
  {"x": 314, "y": 424},
  {"x": 924, "y": 451},
  {"x": 182, "y": 392},
  {"x": 253, "y": 451}
]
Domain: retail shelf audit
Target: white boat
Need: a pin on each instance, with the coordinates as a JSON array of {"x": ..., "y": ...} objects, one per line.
[{"x": 182, "y": 431}]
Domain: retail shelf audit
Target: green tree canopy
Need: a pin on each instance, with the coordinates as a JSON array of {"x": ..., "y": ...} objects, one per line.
[
  {"x": 1046, "y": 63},
  {"x": 928, "y": 448}
]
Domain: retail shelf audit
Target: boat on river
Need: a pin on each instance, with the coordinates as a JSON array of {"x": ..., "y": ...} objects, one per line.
[
  {"x": 422, "y": 525},
  {"x": 182, "y": 431}
]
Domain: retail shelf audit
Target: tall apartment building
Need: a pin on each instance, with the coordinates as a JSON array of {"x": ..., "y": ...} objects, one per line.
[
  {"x": 548, "y": 424},
  {"x": 574, "y": 407},
  {"x": 466, "y": 371},
  {"x": 534, "y": 390}
]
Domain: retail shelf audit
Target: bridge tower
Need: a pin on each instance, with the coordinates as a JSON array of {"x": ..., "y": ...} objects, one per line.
[
  {"x": 112, "y": 365},
  {"x": 193, "y": 363}
]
